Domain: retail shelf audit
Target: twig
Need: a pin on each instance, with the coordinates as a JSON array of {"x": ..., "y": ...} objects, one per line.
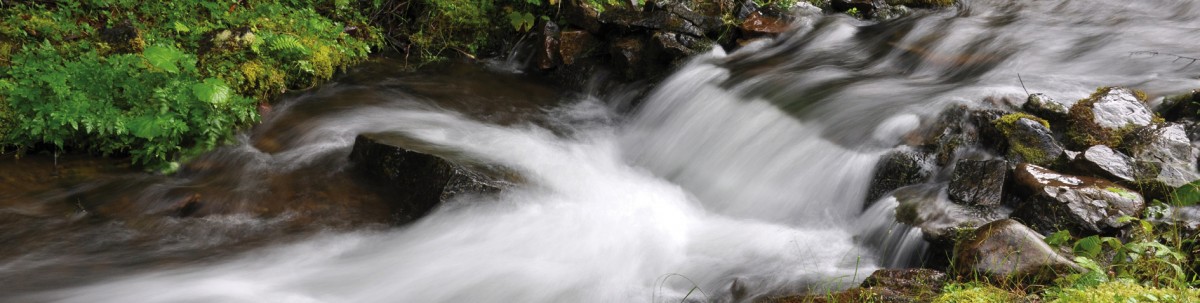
[
  {"x": 1022, "y": 83},
  {"x": 1177, "y": 57}
]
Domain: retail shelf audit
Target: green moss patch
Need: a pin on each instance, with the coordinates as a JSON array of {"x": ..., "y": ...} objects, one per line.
[
  {"x": 974, "y": 293},
  {"x": 1122, "y": 291}
]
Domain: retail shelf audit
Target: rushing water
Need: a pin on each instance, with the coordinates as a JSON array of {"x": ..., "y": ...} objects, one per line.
[{"x": 740, "y": 175}]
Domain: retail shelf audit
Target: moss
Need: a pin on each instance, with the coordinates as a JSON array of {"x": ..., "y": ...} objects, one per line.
[
  {"x": 1122, "y": 291},
  {"x": 974, "y": 293},
  {"x": 1006, "y": 121},
  {"x": 1122, "y": 192}
]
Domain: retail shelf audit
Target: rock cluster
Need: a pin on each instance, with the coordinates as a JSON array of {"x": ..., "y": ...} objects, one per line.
[
  {"x": 985, "y": 184},
  {"x": 648, "y": 41}
]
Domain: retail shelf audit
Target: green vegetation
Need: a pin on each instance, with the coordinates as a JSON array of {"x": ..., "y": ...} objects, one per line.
[
  {"x": 159, "y": 82},
  {"x": 1122, "y": 291},
  {"x": 784, "y": 5},
  {"x": 1148, "y": 264},
  {"x": 974, "y": 292}
]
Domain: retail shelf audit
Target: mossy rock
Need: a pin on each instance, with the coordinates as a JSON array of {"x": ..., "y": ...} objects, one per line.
[
  {"x": 1030, "y": 139},
  {"x": 1106, "y": 116}
]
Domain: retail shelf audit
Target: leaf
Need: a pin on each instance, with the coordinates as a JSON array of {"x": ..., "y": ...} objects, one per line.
[
  {"x": 1188, "y": 194},
  {"x": 180, "y": 27},
  {"x": 213, "y": 91},
  {"x": 1088, "y": 247},
  {"x": 163, "y": 57},
  {"x": 145, "y": 127},
  {"x": 553, "y": 2},
  {"x": 1059, "y": 238},
  {"x": 521, "y": 21}
]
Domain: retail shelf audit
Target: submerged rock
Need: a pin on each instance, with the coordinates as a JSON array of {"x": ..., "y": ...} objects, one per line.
[
  {"x": 1087, "y": 205},
  {"x": 926, "y": 207},
  {"x": 1006, "y": 250},
  {"x": 978, "y": 182},
  {"x": 899, "y": 168},
  {"x": 1106, "y": 116},
  {"x": 1164, "y": 157},
  {"x": 1106, "y": 162},
  {"x": 420, "y": 181}
]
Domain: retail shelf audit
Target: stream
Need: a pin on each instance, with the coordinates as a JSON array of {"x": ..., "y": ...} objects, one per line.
[{"x": 741, "y": 175}]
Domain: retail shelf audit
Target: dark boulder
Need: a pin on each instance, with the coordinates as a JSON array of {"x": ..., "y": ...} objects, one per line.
[
  {"x": 1175, "y": 108},
  {"x": 1045, "y": 107},
  {"x": 1105, "y": 162},
  {"x": 629, "y": 55},
  {"x": 580, "y": 13},
  {"x": 1086, "y": 205},
  {"x": 420, "y": 181},
  {"x": 1006, "y": 250},
  {"x": 1164, "y": 157},
  {"x": 1030, "y": 140},
  {"x": 925, "y": 206},
  {"x": 574, "y": 45},
  {"x": 978, "y": 182},
  {"x": 758, "y": 24},
  {"x": 899, "y": 168},
  {"x": 1106, "y": 116}
]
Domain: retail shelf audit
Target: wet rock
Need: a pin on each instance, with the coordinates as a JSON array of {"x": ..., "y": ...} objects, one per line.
[
  {"x": 1164, "y": 157},
  {"x": 1045, "y": 107},
  {"x": 674, "y": 45},
  {"x": 1030, "y": 140},
  {"x": 1006, "y": 250},
  {"x": 926, "y": 206},
  {"x": 758, "y": 24},
  {"x": 628, "y": 55},
  {"x": 1105, "y": 162},
  {"x": 916, "y": 284},
  {"x": 580, "y": 13},
  {"x": 547, "y": 45},
  {"x": 575, "y": 44},
  {"x": 1181, "y": 106},
  {"x": 1086, "y": 205},
  {"x": 978, "y": 182},
  {"x": 899, "y": 168},
  {"x": 709, "y": 23},
  {"x": 421, "y": 181},
  {"x": 1106, "y": 116},
  {"x": 951, "y": 132}
]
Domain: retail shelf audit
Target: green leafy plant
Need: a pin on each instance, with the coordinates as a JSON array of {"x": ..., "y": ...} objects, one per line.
[
  {"x": 521, "y": 22},
  {"x": 160, "y": 82}
]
